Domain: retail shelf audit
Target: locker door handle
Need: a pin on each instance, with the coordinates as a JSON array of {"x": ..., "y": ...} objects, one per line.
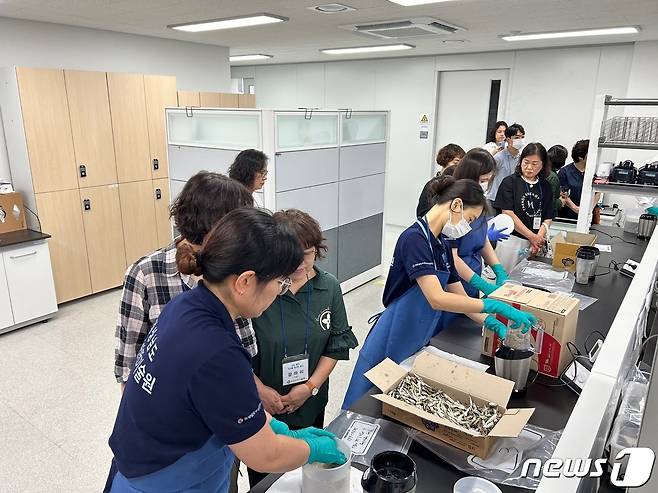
[
  {"x": 158, "y": 194},
  {"x": 83, "y": 171},
  {"x": 156, "y": 164},
  {"x": 29, "y": 254},
  {"x": 87, "y": 204}
]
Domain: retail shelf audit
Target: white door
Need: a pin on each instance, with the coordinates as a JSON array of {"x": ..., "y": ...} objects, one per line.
[{"x": 464, "y": 101}]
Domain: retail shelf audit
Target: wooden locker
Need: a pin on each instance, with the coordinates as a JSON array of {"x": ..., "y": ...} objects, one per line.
[
  {"x": 47, "y": 129},
  {"x": 129, "y": 125},
  {"x": 91, "y": 125},
  {"x": 140, "y": 233},
  {"x": 104, "y": 236},
  {"x": 188, "y": 98},
  {"x": 161, "y": 196},
  {"x": 210, "y": 99},
  {"x": 61, "y": 216},
  {"x": 247, "y": 100},
  {"x": 160, "y": 93},
  {"x": 229, "y": 100}
]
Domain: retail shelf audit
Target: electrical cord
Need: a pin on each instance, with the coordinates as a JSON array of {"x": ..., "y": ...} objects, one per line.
[
  {"x": 587, "y": 350},
  {"x": 613, "y": 236},
  {"x": 574, "y": 358},
  {"x": 35, "y": 215}
]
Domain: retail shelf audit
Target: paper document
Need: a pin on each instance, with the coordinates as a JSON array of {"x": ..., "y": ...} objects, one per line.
[
  {"x": 360, "y": 435},
  {"x": 604, "y": 248}
]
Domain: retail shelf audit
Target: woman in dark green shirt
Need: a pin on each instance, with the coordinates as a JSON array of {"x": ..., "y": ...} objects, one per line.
[{"x": 301, "y": 336}]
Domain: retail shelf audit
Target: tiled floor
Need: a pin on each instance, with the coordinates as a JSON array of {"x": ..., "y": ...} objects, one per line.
[{"x": 58, "y": 396}]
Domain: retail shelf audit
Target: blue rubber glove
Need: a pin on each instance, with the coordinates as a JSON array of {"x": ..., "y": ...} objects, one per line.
[
  {"x": 481, "y": 285},
  {"x": 324, "y": 450},
  {"x": 496, "y": 234},
  {"x": 493, "y": 324},
  {"x": 653, "y": 210},
  {"x": 501, "y": 275},
  {"x": 280, "y": 428},
  {"x": 522, "y": 320}
]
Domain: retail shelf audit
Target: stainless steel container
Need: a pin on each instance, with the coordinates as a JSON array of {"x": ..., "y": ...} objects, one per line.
[
  {"x": 513, "y": 364},
  {"x": 645, "y": 226}
]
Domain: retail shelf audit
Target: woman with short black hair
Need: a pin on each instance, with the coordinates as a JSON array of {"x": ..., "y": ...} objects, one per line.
[
  {"x": 571, "y": 181},
  {"x": 191, "y": 405},
  {"x": 527, "y": 197},
  {"x": 250, "y": 169}
]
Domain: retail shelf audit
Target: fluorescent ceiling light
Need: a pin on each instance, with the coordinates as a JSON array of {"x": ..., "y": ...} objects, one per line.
[
  {"x": 573, "y": 34},
  {"x": 246, "y": 58},
  {"x": 410, "y": 3},
  {"x": 230, "y": 23},
  {"x": 367, "y": 49}
]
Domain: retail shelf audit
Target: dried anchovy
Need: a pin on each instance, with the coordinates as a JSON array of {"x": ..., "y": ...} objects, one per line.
[{"x": 414, "y": 391}]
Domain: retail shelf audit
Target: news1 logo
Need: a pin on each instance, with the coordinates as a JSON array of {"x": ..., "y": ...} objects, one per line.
[{"x": 637, "y": 472}]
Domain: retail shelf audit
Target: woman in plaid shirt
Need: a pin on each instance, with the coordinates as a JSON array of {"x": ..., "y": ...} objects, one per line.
[{"x": 152, "y": 281}]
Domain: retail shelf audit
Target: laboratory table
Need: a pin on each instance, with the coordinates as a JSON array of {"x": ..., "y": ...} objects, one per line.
[{"x": 553, "y": 405}]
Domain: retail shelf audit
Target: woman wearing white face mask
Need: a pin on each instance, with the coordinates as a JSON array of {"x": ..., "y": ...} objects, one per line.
[
  {"x": 422, "y": 285},
  {"x": 467, "y": 252}
]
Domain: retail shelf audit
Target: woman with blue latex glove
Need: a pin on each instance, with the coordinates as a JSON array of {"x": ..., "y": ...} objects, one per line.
[
  {"x": 469, "y": 251},
  {"x": 522, "y": 320},
  {"x": 423, "y": 290},
  {"x": 281, "y": 428}
]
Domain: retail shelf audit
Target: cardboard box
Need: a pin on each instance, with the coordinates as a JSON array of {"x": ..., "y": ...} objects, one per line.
[
  {"x": 12, "y": 212},
  {"x": 565, "y": 247},
  {"x": 459, "y": 382},
  {"x": 559, "y": 314}
]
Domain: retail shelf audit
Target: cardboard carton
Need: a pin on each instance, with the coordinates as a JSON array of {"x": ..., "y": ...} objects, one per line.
[
  {"x": 12, "y": 212},
  {"x": 565, "y": 247},
  {"x": 459, "y": 382},
  {"x": 559, "y": 314}
]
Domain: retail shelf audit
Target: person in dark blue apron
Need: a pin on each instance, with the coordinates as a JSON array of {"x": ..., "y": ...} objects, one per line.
[
  {"x": 190, "y": 405},
  {"x": 466, "y": 253},
  {"x": 422, "y": 286}
]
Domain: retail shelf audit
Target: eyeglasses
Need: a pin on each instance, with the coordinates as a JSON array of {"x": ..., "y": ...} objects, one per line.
[
  {"x": 285, "y": 285},
  {"x": 534, "y": 164}
]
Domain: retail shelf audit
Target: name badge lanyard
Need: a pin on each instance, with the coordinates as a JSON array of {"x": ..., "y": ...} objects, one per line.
[
  {"x": 536, "y": 214},
  {"x": 295, "y": 368},
  {"x": 424, "y": 226}
]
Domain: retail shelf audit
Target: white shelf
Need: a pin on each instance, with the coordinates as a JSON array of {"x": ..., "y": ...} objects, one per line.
[
  {"x": 627, "y": 189},
  {"x": 628, "y": 145}
]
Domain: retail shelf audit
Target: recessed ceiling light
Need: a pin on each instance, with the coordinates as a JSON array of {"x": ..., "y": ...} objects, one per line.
[
  {"x": 332, "y": 8},
  {"x": 228, "y": 23},
  {"x": 367, "y": 49},
  {"x": 411, "y": 3},
  {"x": 572, "y": 34},
  {"x": 453, "y": 41},
  {"x": 246, "y": 58}
]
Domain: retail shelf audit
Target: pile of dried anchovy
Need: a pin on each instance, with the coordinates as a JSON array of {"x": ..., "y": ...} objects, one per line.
[{"x": 414, "y": 391}]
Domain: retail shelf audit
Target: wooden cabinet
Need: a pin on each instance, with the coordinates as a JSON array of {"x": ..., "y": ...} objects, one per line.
[
  {"x": 162, "y": 221},
  {"x": 104, "y": 236},
  {"x": 247, "y": 100},
  {"x": 61, "y": 216},
  {"x": 229, "y": 100},
  {"x": 188, "y": 98},
  {"x": 138, "y": 218},
  {"x": 129, "y": 126},
  {"x": 91, "y": 126},
  {"x": 210, "y": 99},
  {"x": 47, "y": 128},
  {"x": 160, "y": 92}
]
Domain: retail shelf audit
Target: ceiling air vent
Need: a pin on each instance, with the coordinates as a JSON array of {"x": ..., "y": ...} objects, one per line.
[{"x": 405, "y": 28}]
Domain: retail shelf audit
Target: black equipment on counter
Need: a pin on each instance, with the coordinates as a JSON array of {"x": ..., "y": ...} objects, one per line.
[
  {"x": 624, "y": 172},
  {"x": 390, "y": 472},
  {"x": 648, "y": 174}
]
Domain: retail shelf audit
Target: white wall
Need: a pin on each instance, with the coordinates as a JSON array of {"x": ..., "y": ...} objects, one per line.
[
  {"x": 551, "y": 93},
  {"x": 38, "y": 44}
]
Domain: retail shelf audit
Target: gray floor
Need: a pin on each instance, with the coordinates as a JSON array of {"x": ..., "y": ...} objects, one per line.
[{"x": 58, "y": 397}]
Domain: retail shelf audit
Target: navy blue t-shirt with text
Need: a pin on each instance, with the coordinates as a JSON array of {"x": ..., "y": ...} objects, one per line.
[{"x": 192, "y": 379}]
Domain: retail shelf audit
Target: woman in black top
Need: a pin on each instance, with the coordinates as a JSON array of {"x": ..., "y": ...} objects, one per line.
[{"x": 527, "y": 197}]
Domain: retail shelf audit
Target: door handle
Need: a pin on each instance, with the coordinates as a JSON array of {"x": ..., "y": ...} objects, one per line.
[
  {"x": 156, "y": 164},
  {"x": 87, "y": 204},
  {"x": 158, "y": 194},
  {"x": 83, "y": 171},
  {"x": 29, "y": 254}
]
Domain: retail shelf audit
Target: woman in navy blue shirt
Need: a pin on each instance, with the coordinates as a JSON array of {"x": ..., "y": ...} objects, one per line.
[
  {"x": 191, "y": 404},
  {"x": 422, "y": 285}
]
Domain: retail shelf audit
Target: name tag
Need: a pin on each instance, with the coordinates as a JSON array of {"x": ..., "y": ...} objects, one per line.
[
  {"x": 295, "y": 369},
  {"x": 536, "y": 222}
]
